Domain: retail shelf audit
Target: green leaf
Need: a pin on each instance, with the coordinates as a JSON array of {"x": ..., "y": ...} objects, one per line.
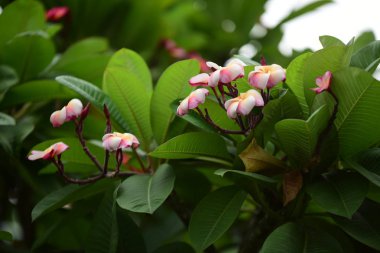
[
  {"x": 175, "y": 247},
  {"x": 364, "y": 225},
  {"x": 335, "y": 193},
  {"x": 235, "y": 174},
  {"x": 13, "y": 136},
  {"x": 8, "y": 78},
  {"x": 103, "y": 236},
  {"x": 6, "y": 236},
  {"x": 298, "y": 138},
  {"x": 359, "y": 110},
  {"x": 29, "y": 55},
  {"x": 6, "y": 120},
  {"x": 368, "y": 165},
  {"x": 146, "y": 193},
  {"x": 328, "y": 41},
  {"x": 200, "y": 145},
  {"x": 129, "y": 93},
  {"x": 75, "y": 153},
  {"x": 295, "y": 78},
  {"x": 363, "y": 40},
  {"x": 24, "y": 15},
  {"x": 95, "y": 95},
  {"x": 85, "y": 59},
  {"x": 328, "y": 59},
  {"x": 291, "y": 237},
  {"x": 214, "y": 215},
  {"x": 69, "y": 194},
  {"x": 172, "y": 85},
  {"x": 31, "y": 92},
  {"x": 365, "y": 56}
]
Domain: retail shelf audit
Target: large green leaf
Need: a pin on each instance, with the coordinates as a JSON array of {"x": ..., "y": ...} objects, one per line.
[
  {"x": 28, "y": 54},
  {"x": 328, "y": 41},
  {"x": 6, "y": 236},
  {"x": 69, "y": 194},
  {"x": 214, "y": 215},
  {"x": 335, "y": 193},
  {"x": 129, "y": 93},
  {"x": 95, "y": 95},
  {"x": 172, "y": 85},
  {"x": 295, "y": 80},
  {"x": 368, "y": 165},
  {"x": 235, "y": 175},
  {"x": 363, "y": 40},
  {"x": 146, "y": 193},
  {"x": 298, "y": 138},
  {"x": 8, "y": 78},
  {"x": 328, "y": 59},
  {"x": 85, "y": 59},
  {"x": 364, "y": 225},
  {"x": 366, "y": 55},
  {"x": 23, "y": 15},
  {"x": 200, "y": 145},
  {"x": 6, "y": 120},
  {"x": 31, "y": 92},
  {"x": 294, "y": 238},
  {"x": 103, "y": 236},
  {"x": 358, "y": 114}
]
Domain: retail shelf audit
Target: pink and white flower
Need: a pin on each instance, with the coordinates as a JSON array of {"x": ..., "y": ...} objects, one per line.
[
  {"x": 233, "y": 70},
  {"x": 266, "y": 76},
  {"x": 323, "y": 82},
  {"x": 200, "y": 80},
  {"x": 192, "y": 101},
  {"x": 243, "y": 104},
  {"x": 49, "y": 153},
  {"x": 115, "y": 141},
  {"x": 69, "y": 112}
]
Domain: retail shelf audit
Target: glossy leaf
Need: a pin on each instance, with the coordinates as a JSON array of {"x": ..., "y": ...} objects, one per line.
[
  {"x": 172, "y": 85},
  {"x": 366, "y": 55},
  {"x": 336, "y": 195},
  {"x": 214, "y": 215},
  {"x": 103, "y": 235},
  {"x": 359, "y": 110},
  {"x": 299, "y": 138},
  {"x": 291, "y": 237},
  {"x": 146, "y": 193},
  {"x": 200, "y": 145},
  {"x": 69, "y": 194},
  {"x": 129, "y": 93},
  {"x": 94, "y": 95}
]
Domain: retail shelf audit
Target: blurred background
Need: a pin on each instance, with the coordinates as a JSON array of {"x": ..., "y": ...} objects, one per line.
[{"x": 38, "y": 43}]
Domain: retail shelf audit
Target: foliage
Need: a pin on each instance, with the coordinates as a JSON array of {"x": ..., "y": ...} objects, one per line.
[{"x": 298, "y": 172}]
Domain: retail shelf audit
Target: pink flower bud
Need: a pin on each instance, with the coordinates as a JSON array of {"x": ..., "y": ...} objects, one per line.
[
  {"x": 199, "y": 80},
  {"x": 232, "y": 71},
  {"x": 192, "y": 101},
  {"x": 266, "y": 76},
  {"x": 57, "y": 118},
  {"x": 57, "y": 13},
  {"x": 243, "y": 104},
  {"x": 323, "y": 82},
  {"x": 115, "y": 141},
  {"x": 73, "y": 109},
  {"x": 49, "y": 153}
]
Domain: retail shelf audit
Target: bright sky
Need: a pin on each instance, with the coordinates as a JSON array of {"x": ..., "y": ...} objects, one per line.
[{"x": 343, "y": 19}]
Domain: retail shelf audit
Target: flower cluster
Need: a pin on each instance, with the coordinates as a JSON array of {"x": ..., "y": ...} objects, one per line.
[
  {"x": 69, "y": 112},
  {"x": 235, "y": 103}
]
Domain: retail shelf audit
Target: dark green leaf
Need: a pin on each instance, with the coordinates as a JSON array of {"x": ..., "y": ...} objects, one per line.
[
  {"x": 6, "y": 236},
  {"x": 6, "y": 120},
  {"x": 146, "y": 193},
  {"x": 175, "y": 247},
  {"x": 214, "y": 215},
  {"x": 336, "y": 194}
]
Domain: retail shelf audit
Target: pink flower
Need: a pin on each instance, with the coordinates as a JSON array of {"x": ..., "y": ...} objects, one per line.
[
  {"x": 115, "y": 141},
  {"x": 69, "y": 112},
  {"x": 73, "y": 109},
  {"x": 192, "y": 101},
  {"x": 49, "y": 153},
  {"x": 200, "y": 80},
  {"x": 266, "y": 76},
  {"x": 232, "y": 71},
  {"x": 57, "y": 13},
  {"x": 57, "y": 118},
  {"x": 323, "y": 82},
  {"x": 243, "y": 104}
]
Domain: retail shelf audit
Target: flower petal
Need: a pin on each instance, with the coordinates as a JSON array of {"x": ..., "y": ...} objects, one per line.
[
  {"x": 246, "y": 105},
  {"x": 231, "y": 110},
  {"x": 199, "y": 80},
  {"x": 258, "y": 79}
]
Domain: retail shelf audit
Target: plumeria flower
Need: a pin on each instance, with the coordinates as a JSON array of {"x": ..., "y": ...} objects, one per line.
[
  {"x": 266, "y": 76},
  {"x": 69, "y": 112},
  {"x": 200, "y": 80},
  {"x": 57, "y": 13},
  {"x": 243, "y": 104},
  {"x": 49, "y": 153},
  {"x": 115, "y": 141},
  {"x": 323, "y": 82},
  {"x": 192, "y": 101}
]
